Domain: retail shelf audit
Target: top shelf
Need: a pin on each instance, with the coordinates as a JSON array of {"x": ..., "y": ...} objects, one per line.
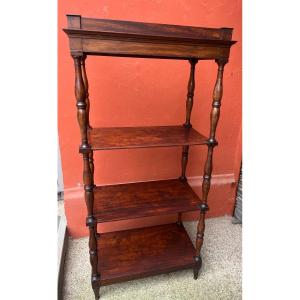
[{"x": 137, "y": 39}]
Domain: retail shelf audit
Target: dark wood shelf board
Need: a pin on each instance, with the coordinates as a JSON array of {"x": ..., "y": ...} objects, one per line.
[
  {"x": 143, "y": 199},
  {"x": 144, "y": 137},
  {"x": 137, "y": 253}
]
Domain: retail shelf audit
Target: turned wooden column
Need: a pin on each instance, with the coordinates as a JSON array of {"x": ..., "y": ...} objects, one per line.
[
  {"x": 184, "y": 161},
  {"x": 87, "y": 100},
  {"x": 81, "y": 104},
  {"x": 86, "y": 87},
  {"x": 214, "y": 117},
  {"x": 88, "y": 178},
  {"x": 190, "y": 94},
  {"x": 187, "y": 124}
]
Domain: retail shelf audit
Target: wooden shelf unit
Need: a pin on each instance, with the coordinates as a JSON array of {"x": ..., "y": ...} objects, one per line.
[{"x": 130, "y": 254}]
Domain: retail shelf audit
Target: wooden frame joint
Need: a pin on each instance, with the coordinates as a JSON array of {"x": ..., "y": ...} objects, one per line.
[
  {"x": 89, "y": 188},
  {"x": 203, "y": 207},
  {"x": 187, "y": 125},
  {"x": 95, "y": 279},
  {"x": 212, "y": 142},
  {"x": 76, "y": 54},
  {"x": 197, "y": 258},
  {"x": 74, "y": 21},
  {"x": 85, "y": 148},
  {"x": 216, "y": 104},
  {"x": 183, "y": 178},
  {"x": 221, "y": 61},
  {"x": 193, "y": 61},
  {"x": 93, "y": 252},
  {"x": 90, "y": 221},
  {"x": 81, "y": 104},
  {"x": 206, "y": 177}
]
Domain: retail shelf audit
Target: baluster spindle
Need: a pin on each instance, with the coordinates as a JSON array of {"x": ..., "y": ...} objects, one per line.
[
  {"x": 88, "y": 178},
  {"x": 184, "y": 161},
  {"x": 91, "y": 223},
  {"x": 91, "y": 162},
  {"x": 81, "y": 103},
  {"x": 187, "y": 124},
  {"x": 86, "y": 86},
  {"x": 190, "y": 94},
  {"x": 214, "y": 117}
]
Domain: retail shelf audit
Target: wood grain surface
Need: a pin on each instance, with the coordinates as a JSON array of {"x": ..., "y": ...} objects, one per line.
[
  {"x": 142, "y": 252},
  {"x": 144, "y": 137},
  {"x": 143, "y": 199}
]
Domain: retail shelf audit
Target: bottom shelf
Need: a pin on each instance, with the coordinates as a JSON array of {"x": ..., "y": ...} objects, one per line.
[{"x": 137, "y": 253}]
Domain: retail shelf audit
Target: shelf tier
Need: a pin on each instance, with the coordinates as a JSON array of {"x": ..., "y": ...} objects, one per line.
[
  {"x": 137, "y": 253},
  {"x": 135, "y": 39},
  {"x": 143, "y": 199},
  {"x": 144, "y": 137}
]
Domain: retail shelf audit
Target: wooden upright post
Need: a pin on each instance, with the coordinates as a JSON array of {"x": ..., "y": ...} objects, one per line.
[
  {"x": 187, "y": 124},
  {"x": 88, "y": 179},
  {"x": 190, "y": 94},
  {"x": 214, "y": 117}
]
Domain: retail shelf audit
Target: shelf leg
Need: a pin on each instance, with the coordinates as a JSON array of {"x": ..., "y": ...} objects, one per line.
[
  {"x": 88, "y": 168},
  {"x": 203, "y": 208},
  {"x": 190, "y": 94},
  {"x": 91, "y": 222},
  {"x": 96, "y": 290},
  {"x": 184, "y": 161},
  {"x": 86, "y": 86},
  {"x": 81, "y": 104},
  {"x": 187, "y": 124},
  {"x": 214, "y": 117},
  {"x": 91, "y": 162}
]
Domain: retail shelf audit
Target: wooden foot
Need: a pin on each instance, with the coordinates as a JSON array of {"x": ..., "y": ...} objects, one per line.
[
  {"x": 96, "y": 290},
  {"x": 198, "y": 264}
]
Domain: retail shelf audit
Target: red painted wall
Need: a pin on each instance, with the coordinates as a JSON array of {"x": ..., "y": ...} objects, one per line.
[{"x": 132, "y": 92}]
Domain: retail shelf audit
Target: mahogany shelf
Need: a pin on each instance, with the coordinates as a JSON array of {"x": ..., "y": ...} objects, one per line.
[
  {"x": 142, "y": 252},
  {"x": 144, "y": 137},
  {"x": 135, "y": 39},
  {"x": 143, "y": 199}
]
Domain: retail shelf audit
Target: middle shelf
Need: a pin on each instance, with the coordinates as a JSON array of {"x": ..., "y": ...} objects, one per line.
[
  {"x": 144, "y": 137},
  {"x": 143, "y": 199}
]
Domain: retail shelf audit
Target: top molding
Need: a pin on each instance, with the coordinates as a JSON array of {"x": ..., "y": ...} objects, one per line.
[{"x": 136, "y": 39}]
